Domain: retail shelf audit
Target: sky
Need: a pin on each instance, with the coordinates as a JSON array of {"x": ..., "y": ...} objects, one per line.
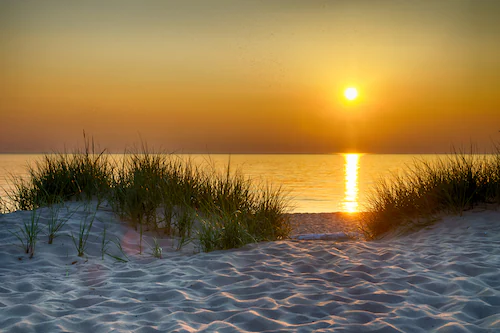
[{"x": 261, "y": 76}]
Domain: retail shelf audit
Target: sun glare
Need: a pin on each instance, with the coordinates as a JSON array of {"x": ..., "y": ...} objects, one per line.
[
  {"x": 351, "y": 167},
  {"x": 351, "y": 93}
]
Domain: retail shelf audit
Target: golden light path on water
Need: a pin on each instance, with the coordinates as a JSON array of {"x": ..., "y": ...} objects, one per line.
[{"x": 351, "y": 167}]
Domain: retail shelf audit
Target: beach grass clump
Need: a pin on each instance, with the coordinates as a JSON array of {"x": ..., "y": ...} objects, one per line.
[
  {"x": 28, "y": 233},
  {"x": 105, "y": 249},
  {"x": 61, "y": 177},
  {"x": 270, "y": 220},
  {"x": 491, "y": 181},
  {"x": 224, "y": 231},
  {"x": 452, "y": 184},
  {"x": 165, "y": 193},
  {"x": 225, "y": 192},
  {"x": 156, "y": 250},
  {"x": 157, "y": 192},
  {"x": 241, "y": 210},
  {"x": 81, "y": 239},
  {"x": 135, "y": 190},
  {"x": 261, "y": 217},
  {"x": 55, "y": 222}
]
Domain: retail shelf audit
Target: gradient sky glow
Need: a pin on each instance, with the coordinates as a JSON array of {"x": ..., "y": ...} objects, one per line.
[{"x": 257, "y": 76}]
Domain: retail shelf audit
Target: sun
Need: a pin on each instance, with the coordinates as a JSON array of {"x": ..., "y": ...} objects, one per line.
[{"x": 351, "y": 93}]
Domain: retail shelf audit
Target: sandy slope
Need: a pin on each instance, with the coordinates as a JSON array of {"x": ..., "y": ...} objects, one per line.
[{"x": 445, "y": 278}]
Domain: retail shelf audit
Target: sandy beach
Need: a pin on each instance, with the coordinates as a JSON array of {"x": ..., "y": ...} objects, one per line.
[{"x": 444, "y": 278}]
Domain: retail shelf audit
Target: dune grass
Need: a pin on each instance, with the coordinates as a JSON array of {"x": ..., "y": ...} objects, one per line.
[
  {"x": 82, "y": 236},
  {"x": 28, "y": 233},
  {"x": 236, "y": 211},
  {"x": 453, "y": 184},
  {"x": 61, "y": 177},
  {"x": 175, "y": 197},
  {"x": 165, "y": 193},
  {"x": 156, "y": 250},
  {"x": 105, "y": 250},
  {"x": 55, "y": 222},
  {"x": 161, "y": 193}
]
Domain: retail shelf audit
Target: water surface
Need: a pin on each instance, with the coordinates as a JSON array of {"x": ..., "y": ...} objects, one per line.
[{"x": 315, "y": 183}]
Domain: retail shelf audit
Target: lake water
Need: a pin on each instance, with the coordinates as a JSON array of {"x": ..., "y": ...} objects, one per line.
[{"x": 315, "y": 183}]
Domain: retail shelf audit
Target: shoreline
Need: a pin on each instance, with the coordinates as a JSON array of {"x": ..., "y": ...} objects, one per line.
[{"x": 323, "y": 223}]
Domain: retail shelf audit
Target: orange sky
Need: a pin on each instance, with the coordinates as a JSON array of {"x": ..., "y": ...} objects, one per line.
[{"x": 258, "y": 76}]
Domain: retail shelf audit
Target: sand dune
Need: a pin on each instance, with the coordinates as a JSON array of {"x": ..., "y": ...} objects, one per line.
[{"x": 441, "y": 279}]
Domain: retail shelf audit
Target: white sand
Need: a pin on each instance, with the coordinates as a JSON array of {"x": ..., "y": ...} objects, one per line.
[{"x": 445, "y": 278}]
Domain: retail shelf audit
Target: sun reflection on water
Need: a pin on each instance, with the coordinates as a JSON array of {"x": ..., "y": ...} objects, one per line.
[{"x": 351, "y": 166}]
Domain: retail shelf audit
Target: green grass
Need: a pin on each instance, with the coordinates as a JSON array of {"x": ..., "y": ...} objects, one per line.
[
  {"x": 161, "y": 193},
  {"x": 137, "y": 188},
  {"x": 156, "y": 250},
  {"x": 254, "y": 214},
  {"x": 178, "y": 198},
  {"x": 82, "y": 236},
  {"x": 105, "y": 242},
  {"x": 55, "y": 222},
  {"x": 28, "y": 233},
  {"x": 61, "y": 177},
  {"x": 165, "y": 193},
  {"x": 453, "y": 184},
  {"x": 224, "y": 231}
]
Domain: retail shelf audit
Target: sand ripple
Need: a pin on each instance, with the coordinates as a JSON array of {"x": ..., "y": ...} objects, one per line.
[{"x": 442, "y": 279}]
